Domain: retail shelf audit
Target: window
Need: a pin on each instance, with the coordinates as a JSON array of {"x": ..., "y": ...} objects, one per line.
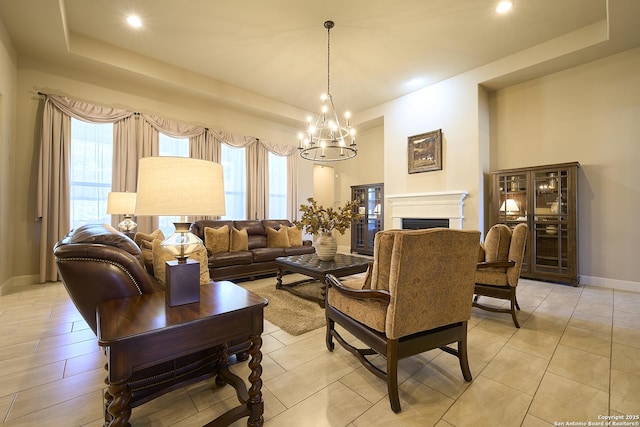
[
  {"x": 90, "y": 172},
  {"x": 234, "y": 167},
  {"x": 177, "y": 147},
  {"x": 277, "y": 186}
]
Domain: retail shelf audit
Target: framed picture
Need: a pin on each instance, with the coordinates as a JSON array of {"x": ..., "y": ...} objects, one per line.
[{"x": 425, "y": 152}]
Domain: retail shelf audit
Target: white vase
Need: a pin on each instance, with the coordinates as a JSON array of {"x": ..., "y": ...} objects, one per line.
[{"x": 326, "y": 246}]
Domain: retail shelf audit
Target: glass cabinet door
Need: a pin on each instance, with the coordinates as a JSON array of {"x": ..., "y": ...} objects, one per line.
[
  {"x": 374, "y": 213},
  {"x": 550, "y": 224},
  {"x": 358, "y": 234},
  {"x": 513, "y": 204}
]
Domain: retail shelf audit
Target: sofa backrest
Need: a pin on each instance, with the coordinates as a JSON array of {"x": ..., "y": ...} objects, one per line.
[{"x": 256, "y": 230}]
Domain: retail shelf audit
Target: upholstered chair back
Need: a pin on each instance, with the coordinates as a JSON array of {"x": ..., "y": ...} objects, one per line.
[{"x": 431, "y": 279}]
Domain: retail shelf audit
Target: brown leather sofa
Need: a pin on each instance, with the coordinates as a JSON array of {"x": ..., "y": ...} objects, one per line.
[
  {"x": 96, "y": 262},
  {"x": 258, "y": 259}
]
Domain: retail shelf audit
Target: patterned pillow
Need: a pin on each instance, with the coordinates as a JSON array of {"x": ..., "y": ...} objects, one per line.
[
  {"x": 239, "y": 240},
  {"x": 277, "y": 239},
  {"x": 216, "y": 240},
  {"x": 295, "y": 235},
  {"x": 160, "y": 256}
]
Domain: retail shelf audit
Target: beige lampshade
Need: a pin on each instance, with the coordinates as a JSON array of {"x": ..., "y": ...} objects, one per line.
[
  {"x": 121, "y": 203},
  {"x": 179, "y": 186},
  {"x": 509, "y": 205}
]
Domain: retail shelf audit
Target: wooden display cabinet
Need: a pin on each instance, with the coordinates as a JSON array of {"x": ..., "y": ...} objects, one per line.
[
  {"x": 546, "y": 199},
  {"x": 371, "y": 205}
]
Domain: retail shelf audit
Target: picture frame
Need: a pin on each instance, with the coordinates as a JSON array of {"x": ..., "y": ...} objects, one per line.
[{"x": 425, "y": 152}]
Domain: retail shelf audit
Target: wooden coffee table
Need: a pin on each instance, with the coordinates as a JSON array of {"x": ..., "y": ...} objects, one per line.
[
  {"x": 310, "y": 265},
  {"x": 143, "y": 330}
]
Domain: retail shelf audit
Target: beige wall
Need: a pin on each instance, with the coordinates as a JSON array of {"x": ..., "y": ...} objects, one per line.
[
  {"x": 132, "y": 96},
  {"x": 8, "y": 83},
  {"x": 589, "y": 114}
]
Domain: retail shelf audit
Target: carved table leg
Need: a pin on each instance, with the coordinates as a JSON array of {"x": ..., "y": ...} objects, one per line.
[
  {"x": 255, "y": 403},
  {"x": 279, "y": 279},
  {"x": 223, "y": 364},
  {"x": 119, "y": 408}
]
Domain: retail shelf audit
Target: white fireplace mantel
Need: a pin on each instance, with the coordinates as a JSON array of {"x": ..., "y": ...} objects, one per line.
[{"x": 439, "y": 204}]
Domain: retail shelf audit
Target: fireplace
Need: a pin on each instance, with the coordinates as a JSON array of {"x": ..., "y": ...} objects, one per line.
[
  {"x": 442, "y": 206},
  {"x": 422, "y": 223}
]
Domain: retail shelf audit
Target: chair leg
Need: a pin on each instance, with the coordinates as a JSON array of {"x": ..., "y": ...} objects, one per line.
[
  {"x": 514, "y": 303},
  {"x": 464, "y": 358},
  {"x": 328, "y": 336},
  {"x": 392, "y": 375},
  {"x": 516, "y": 299}
]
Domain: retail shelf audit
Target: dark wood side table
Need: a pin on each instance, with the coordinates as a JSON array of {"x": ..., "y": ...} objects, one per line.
[
  {"x": 143, "y": 331},
  {"x": 310, "y": 265}
]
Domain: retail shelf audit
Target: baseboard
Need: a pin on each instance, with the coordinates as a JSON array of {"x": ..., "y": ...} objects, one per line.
[
  {"x": 18, "y": 281},
  {"x": 623, "y": 285}
]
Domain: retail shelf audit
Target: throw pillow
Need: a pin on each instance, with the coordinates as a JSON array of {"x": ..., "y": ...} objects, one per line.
[
  {"x": 216, "y": 240},
  {"x": 145, "y": 242},
  {"x": 201, "y": 256},
  {"x": 295, "y": 235},
  {"x": 141, "y": 237},
  {"x": 239, "y": 240},
  {"x": 277, "y": 239},
  {"x": 146, "y": 246},
  {"x": 160, "y": 256}
]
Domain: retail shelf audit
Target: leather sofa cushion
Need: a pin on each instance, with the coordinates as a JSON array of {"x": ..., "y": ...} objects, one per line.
[
  {"x": 224, "y": 259},
  {"x": 266, "y": 254},
  {"x": 299, "y": 250}
]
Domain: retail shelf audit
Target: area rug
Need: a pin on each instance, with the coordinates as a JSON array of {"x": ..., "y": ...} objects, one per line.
[{"x": 292, "y": 314}]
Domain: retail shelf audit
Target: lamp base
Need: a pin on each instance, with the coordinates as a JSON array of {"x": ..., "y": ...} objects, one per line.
[{"x": 182, "y": 282}]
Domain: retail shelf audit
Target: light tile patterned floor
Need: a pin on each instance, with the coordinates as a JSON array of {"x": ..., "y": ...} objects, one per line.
[{"x": 576, "y": 357}]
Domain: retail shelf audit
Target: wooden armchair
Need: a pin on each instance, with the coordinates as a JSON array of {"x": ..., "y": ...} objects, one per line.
[
  {"x": 499, "y": 265},
  {"x": 416, "y": 297}
]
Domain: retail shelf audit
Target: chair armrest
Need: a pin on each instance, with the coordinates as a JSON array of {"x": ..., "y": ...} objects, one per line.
[
  {"x": 496, "y": 264},
  {"x": 364, "y": 294}
]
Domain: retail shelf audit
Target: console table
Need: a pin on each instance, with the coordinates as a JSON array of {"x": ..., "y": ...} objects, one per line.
[
  {"x": 142, "y": 331},
  {"x": 310, "y": 265}
]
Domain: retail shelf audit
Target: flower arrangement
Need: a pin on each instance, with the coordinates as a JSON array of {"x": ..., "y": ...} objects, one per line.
[{"x": 317, "y": 219}]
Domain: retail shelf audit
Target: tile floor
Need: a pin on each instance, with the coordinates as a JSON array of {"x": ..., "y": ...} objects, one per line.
[{"x": 575, "y": 359}]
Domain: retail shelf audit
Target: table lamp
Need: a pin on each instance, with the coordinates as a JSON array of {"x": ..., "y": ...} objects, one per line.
[
  {"x": 509, "y": 206},
  {"x": 121, "y": 203},
  {"x": 180, "y": 186}
]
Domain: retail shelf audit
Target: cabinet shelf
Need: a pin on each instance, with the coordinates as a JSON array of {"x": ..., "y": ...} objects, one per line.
[{"x": 538, "y": 192}]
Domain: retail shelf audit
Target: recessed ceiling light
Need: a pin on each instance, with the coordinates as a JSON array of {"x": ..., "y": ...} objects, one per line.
[
  {"x": 415, "y": 82},
  {"x": 504, "y": 6},
  {"x": 134, "y": 21}
]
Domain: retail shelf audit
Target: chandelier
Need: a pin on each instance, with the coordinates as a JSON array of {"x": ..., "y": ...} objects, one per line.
[{"x": 326, "y": 140}]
